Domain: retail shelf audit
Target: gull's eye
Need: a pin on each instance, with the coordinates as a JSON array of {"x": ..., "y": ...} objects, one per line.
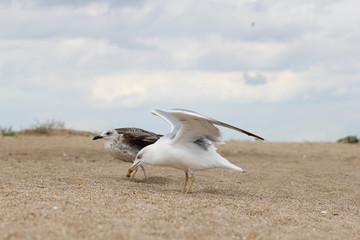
[
  {"x": 139, "y": 156},
  {"x": 108, "y": 133}
]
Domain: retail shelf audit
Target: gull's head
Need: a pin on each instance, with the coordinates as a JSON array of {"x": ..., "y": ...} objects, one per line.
[
  {"x": 107, "y": 135},
  {"x": 141, "y": 158}
]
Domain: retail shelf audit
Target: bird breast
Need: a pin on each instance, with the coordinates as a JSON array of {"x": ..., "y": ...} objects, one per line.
[
  {"x": 186, "y": 157},
  {"x": 121, "y": 151}
]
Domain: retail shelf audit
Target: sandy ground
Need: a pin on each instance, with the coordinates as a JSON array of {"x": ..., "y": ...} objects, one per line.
[{"x": 68, "y": 187}]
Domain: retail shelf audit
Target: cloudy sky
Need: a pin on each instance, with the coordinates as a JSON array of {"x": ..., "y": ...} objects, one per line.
[{"x": 285, "y": 70}]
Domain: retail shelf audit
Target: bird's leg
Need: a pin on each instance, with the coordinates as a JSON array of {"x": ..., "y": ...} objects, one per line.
[
  {"x": 143, "y": 169},
  {"x": 192, "y": 180},
  {"x": 186, "y": 181}
]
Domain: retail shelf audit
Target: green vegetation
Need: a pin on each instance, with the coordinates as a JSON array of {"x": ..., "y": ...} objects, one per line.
[
  {"x": 7, "y": 131},
  {"x": 349, "y": 139}
]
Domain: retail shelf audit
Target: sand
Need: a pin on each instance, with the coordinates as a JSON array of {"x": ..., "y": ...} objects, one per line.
[{"x": 68, "y": 187}]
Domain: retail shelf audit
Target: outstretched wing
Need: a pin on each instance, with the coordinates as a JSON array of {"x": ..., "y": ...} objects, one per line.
[
  {"x": 214, "y": 121},
  {"x": 174, "y": 123},
  {"x": 189, "y": 126},
  {"x": 138, "y": 137}
]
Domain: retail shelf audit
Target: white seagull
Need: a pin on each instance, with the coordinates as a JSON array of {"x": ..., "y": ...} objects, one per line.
[
  {"x": 188, "y": 146},
  {"x": 125, "y": 143}
]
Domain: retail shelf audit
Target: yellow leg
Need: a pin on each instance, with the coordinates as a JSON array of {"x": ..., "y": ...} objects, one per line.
[
  {"x": 186, "y": 181},
  {"x": 143, "y": 169},
  {"x": 192, "y": 180}
]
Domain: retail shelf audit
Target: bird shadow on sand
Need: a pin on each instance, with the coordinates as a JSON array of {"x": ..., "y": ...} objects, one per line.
[
  {"x": 149, "y": 180},
  {"x": 219, "y": 192}
]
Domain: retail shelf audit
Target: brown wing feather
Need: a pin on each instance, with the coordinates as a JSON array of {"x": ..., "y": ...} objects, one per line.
[{"x": 138, "y": 137}]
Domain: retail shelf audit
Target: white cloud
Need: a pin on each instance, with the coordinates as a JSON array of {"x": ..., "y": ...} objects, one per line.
[
  {"x": 94, "y": 9},
  {"x": 136, "y": 89},
  {"x": 85, "y": 50},
  {"x": 214, "y": 53}
]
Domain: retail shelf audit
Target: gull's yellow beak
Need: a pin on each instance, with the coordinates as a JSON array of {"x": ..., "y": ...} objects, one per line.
[{"x": 132, "y": 168}]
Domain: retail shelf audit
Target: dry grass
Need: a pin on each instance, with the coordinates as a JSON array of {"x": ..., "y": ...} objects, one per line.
[
  {"x": 54, "y": 132},
  {"x": 67, "y": 187},
  {"x": 52, "y": 127}
]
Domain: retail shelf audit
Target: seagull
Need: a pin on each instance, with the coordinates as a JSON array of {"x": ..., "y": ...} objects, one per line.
[
  {"x": 188, "y": 147},
  {"x": 125, "y": 143}
]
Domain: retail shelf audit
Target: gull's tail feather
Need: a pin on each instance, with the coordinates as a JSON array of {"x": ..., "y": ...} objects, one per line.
[
  {"x": 234, "y": 167},
  {"x": 227, "y": 164}
]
